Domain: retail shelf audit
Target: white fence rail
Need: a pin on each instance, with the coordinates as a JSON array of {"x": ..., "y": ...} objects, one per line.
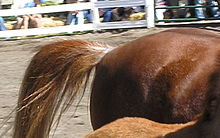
[{"x": 94, "y": 5}]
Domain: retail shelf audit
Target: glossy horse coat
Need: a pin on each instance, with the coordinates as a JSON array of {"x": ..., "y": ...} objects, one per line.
[
  {"x": 207, "y": 126},
  {"x": 162, "y": 77}
]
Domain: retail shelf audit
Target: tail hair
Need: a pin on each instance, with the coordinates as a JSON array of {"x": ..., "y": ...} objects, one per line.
[{"x": 52, "y": 80}]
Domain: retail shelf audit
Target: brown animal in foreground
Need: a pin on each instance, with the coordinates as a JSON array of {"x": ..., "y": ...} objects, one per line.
[
  {"x": 208, "y": 126},
  {"x": 162, "y": 77}
]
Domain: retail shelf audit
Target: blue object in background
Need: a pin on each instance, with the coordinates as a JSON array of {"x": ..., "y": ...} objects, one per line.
[
  {"x": 32, "y": 4},
  {"x": 2, "y": 26}
]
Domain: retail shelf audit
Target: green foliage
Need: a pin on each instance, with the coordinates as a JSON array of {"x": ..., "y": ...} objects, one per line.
[
  {"x": 10, "y": 18},
  {"x": 49, "y": 3},
  {"x": 55, "y": 14},
  {"x": 6, "y": 6}
]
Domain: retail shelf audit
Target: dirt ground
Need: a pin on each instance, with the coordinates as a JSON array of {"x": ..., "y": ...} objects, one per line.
[{"x": 14, "y": 58}]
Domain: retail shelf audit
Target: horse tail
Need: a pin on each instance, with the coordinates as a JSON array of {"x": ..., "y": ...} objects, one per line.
[{"x": 53, "y": 78}]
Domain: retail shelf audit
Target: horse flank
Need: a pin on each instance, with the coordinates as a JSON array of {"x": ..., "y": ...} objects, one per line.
[
  {"x": 205, "y": 126},
  {"x": 54, "y": 77}
]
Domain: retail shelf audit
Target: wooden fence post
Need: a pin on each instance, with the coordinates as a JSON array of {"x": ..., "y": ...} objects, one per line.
[
  {"x": 95, "y": 15},
  {"x": 150, "y": 13}
]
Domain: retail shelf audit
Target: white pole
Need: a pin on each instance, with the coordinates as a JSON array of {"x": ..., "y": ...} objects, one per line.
[
  {"x": 95, "y": 15},
  {"x": 150, "y": 15}
]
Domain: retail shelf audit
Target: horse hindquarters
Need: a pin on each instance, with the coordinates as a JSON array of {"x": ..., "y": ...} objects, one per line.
[
  {"x": 114, "y": 96},
  {"x": 155, "y": 79},
  {"x": 123, "y": 95}
]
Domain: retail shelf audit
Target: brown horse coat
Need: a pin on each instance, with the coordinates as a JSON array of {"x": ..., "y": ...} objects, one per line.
[
  {"x": 133, "y": 127},
  {"x": 162, "y": 77},
  {"x": 205, "y": 127}
]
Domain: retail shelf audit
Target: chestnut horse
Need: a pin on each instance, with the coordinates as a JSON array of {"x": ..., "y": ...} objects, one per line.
[
  {"x": 162, "y": 77},
  {"x": 208, "y": 126}
]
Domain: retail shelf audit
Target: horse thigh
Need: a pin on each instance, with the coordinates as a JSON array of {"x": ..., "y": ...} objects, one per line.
[{"x": 115, "y": 96}]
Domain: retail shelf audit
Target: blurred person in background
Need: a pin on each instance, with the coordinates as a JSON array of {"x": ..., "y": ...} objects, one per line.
[
  {"x": 122, "y": 13},
  {"x": 76, "y": 16},
  {"x": 176, "y": 12},
  {"x": 2, "y": 26},
  {"x": 32, "y": 20},
  {"x": 213, "y": 11},
  {"x": 173, "y": 13},
  {"x": 160, "y": 12},
  {"x": 199, "y": 13},
  {"x": 105, "y": 13}
]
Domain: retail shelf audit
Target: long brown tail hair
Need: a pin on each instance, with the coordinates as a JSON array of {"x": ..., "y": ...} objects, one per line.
[{"x": 52, "y": 80}]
